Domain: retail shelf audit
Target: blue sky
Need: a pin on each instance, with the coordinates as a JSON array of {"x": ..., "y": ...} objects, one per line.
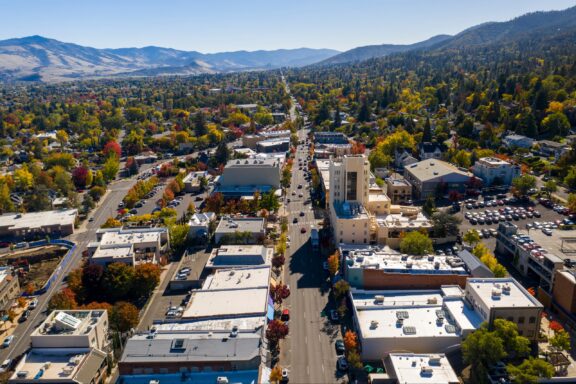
[{"x": 226, "y": 25}]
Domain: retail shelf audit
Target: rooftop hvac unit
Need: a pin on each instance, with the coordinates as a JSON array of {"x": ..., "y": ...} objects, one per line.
[
  {"x": 222, "y": 380},
  {"x": 437, "y": 265},
  {"x": 496, "y": 293},
  {"x": 506, "y": 288},
  {"x": 435, "y": 360},
  {"x": 154, "y": 382},
  {"x": 409, "y": 265},
  {"x": 47, "y": 365},
  {"x": 432, "y": 300},
  {"x": 379, "y": 299},
  {"x": 430, "y": 258},
  {"x": 22, "y": 374},
  {"x": 426, "y": 371},
  {"x": 373, "y": 324}
]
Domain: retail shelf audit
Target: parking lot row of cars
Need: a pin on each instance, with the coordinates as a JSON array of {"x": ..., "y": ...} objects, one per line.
[{"x": 502, "y": 214}]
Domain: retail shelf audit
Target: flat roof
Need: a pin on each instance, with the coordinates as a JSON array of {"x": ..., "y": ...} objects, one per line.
[
  {"x": 114, "y": 252},
  {"x": 251, "y": 163},
  {"x": 227, "y": 303},
  {"x": 4, "y": 273},
  {"x": 194, "y": 176},
  {"x": 554, "y": 243},
  {"x": 201, "y": 218},
  {"x": 68, "y": 322},
  {"x": 398, "y": 182},
  {"x": 425, "y": 313},
  {"x": 350, "y": 210},
  {"x": 192, "y": 346},
  {"x": 388, "y": 260},
  {"x": 398, "y": 220},
  {"x": 247, "y": 224},
  {"x": 422, "y": 368},
  {"x": 15, "y": 221},
  {"x": 501, "y": 293},
  {"x": 434, "y": 169},
  {"x": 243, "y": 323},
  {"x": 135, "y": 236},
  {"x": 58, "y": 364},
  {"x": 493, "y": 161},
  {"x": 238, "y": 278}
]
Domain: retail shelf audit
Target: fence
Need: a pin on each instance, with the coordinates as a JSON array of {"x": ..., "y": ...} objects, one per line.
[{"x": 61, "y": 267}]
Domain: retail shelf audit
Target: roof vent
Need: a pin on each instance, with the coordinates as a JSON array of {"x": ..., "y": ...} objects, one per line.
[{"x": 373, "y": 324}]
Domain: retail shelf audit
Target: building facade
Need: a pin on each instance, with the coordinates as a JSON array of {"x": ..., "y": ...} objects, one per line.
[{"x": 494, "y": 171}]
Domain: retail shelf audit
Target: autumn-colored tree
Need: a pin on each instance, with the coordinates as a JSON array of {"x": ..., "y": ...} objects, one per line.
[
  {"x": 80, "y": 176},
  {"x": 556, "y": 326},
  {"x": 74, "y": 280},
  {"x": 125, "y": 316},
  {"x": 354, "y": 359},
  {"x": 275, "y": 375},
  {"x": 278, "y": 261},
  {"x": 276, "y": 331},
  {"x": 334, "y": 263},
  {"x": 95, "y": 305},
  {"x": 168, "y": 195},
  {"x": 341, "y": 288},
  {"x": 65, "y": 299},
  {"x": 111, "y": 223},
  {"x": 22, "y": 302},
  {"x": 112, "y": 147},
  {"x": 30, "y": 288},
  {"x": 279, "y": 293},
  {"x": 350, "y": 340},
  {"x": 146, "y": 278}
]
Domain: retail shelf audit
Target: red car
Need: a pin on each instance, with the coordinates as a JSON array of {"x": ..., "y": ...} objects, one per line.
[{"x": 303, "y": 230}]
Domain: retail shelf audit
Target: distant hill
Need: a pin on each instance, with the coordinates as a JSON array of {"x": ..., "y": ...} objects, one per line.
[
  {"x": 372, "y": 51},
  {"x": 37, "y": 58},
  {"x": 537, "y": 24}
]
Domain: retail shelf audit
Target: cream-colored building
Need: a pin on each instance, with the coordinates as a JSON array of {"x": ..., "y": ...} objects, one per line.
[
  {"x": 68, "y": 347},
  {"x": 360, "y": 211}
]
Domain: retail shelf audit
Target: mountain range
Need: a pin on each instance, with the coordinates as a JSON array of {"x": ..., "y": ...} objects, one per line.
[
  {"x": 37, "y": 58},
  {"x": 531, "y": 24}
]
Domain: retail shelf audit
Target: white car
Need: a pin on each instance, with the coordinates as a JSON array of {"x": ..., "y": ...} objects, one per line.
[
  {"x": 5, "y": 365},
  {"x": 8, "y": 341}
]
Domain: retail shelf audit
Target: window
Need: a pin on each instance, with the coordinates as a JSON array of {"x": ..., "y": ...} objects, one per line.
[
  {"x": 351, "y": 185},
  {"x": 521, "y": 320},
  {"x": 510, "y": 318},
  {"x": 531, "y": 320}
]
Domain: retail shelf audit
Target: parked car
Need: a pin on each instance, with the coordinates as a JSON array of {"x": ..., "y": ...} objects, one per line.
[
  {"x": 7, "y": 341},
  {"x": 342, "y": 364},
  {"x": 33, "y": 304},
  {"x": 6, "y": 365},
  {"x": 340, "y": 348}
]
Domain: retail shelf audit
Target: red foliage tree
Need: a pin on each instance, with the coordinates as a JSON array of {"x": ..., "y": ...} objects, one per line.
[
  {"x": 279, "y": 293},
  {"x": 278, "y": 261},
  {"x": 79, "y": 176},
  {"x": 112, "y": 147},
  {"x": 358, "y": 148},
  {"x": 556, "y": 326},
  {"x": 276, "y": 331}
]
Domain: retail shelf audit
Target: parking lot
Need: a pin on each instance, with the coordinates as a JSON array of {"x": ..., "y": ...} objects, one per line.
[{"x": 484, "y": 217}]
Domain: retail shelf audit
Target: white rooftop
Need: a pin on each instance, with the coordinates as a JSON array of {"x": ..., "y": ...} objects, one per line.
[
  {"x": 386, "y": 259},
  {"x": 213, "y": 324},
  {"x": 423, "y": 313},
  {"x": 54, "y": 363},
  {"x": 500, "y": 293},
  {"x": 398, "y": 220},
  {"x": 131, "y": 237},
  {"x": 15, "y": 221},
  {"x": 493, "y": 161},
  {"x": 412, "y": 368},
  {"x": 68, "y": 322},
  {"x": 231, "y": 293},
  {"x": 201, "y": 218},
  {"x": 249, "y": 224}
]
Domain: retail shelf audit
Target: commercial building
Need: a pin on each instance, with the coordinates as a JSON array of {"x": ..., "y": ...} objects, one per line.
[
  {"x": 494, "y": 171},
  {"x": 418, "y": 321},
  {"x": 231, "y": 293},
  {"x": 193, "y": 181},
  {"x": 51, "y": 223},
  {"x": 68, "y": 347},
  {"x": 129, "y": 245},
  {"x": 251, "y": 141},
  {"x": 225, "y": 347},
  {"x": 244, "y": 177},
  {"x": 199, "y": 225},
  {"x": 436, "y": 321},
  {"x": 325, "y": 151},
  {"x": 402, "y": 159},
  {"x": 505, "y": 298},
  {"x": 553, "y": 149},
  {"x": 9, "y": 288},
  {"x": 518, "y": 141},
  {"x": 413, "y": 368},
  {"x": 234, "y": 256},
  {"x": 529, "y": 257},
  {"x": 330, "y": 138},
  {"x": 246, "y": 230},
  {"x": 361, "y": 213},
  {"x": 377, "y": 267},
  {"x": 273, "y": 145},
  {"x": 435, "y": 177},
  {"x": 399, "y": 190},
  {"x": 323, "y": 167}
]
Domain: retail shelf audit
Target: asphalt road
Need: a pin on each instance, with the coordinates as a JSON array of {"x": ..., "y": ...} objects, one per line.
[{"x": 308, "y": 352}]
